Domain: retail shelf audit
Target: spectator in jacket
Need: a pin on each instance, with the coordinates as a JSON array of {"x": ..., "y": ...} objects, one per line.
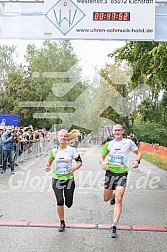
[
  {"x": 8, "y": 149},
  {"x": 1, "y": 133}
]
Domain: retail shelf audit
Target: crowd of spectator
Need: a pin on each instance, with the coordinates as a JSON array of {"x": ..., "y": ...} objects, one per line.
[
  {"x": 24, "y": 135},
  {"x": 16, "y": 140}
]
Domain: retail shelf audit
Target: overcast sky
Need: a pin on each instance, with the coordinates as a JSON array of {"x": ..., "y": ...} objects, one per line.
[{"x": 93, "y": 53}]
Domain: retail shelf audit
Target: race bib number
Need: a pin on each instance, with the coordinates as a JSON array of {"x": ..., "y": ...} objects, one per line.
[
  {"x": 62, "y": 169},
  {"x": 116, "y": 159}
]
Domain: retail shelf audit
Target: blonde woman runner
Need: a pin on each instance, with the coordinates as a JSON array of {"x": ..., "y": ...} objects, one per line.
[{"x": 63, "y": 183}]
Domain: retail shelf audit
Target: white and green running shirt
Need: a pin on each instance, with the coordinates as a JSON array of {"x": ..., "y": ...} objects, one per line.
[
  {"x": 62, "y": 161},
  {"x": 118, "y": 154}
]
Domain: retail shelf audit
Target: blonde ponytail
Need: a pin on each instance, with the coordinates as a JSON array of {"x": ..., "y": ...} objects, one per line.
[
  {"x": 70, "y": 135},
  {"x": 73, "y": 134}
]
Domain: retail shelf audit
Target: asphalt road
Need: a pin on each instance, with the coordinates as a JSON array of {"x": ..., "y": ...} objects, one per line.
[{"x": 28, "y": 218}]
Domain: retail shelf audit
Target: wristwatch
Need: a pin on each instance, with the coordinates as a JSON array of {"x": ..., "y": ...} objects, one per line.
[{"x": 138, "y": 161}]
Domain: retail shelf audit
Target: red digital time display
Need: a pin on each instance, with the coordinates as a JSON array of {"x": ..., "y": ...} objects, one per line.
[{"x": 111, "y": 16}]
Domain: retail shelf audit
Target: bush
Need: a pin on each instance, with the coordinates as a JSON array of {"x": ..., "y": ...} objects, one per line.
[{"x": 151, "y": 132}]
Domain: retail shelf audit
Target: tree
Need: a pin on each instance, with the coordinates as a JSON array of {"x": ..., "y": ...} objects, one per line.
[
  {"x": 148, "y": 61},
  {"x": 16, "y": 89},
  {"x": 163, "y": 103},
  {"x": 48, "y": 69},
  {"x": 151, "y": 132},
  {"x": 115, "y": 86},
  {"x": 7, "y": 63}
]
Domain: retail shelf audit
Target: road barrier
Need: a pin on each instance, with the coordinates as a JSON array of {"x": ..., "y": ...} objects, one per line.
[
  {"x": 1, "y": 159},
  {"x": 155, "y": 149},
  {"x": 27, "y": 150}
]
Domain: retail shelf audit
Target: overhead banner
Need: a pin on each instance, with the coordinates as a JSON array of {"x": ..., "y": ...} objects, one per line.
[
  {"x": 100, "y": 19},
  {"x": 78, "y": 19}
]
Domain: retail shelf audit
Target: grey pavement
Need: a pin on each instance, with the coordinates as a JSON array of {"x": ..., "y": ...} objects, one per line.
[{"x": 28, "y": 196}]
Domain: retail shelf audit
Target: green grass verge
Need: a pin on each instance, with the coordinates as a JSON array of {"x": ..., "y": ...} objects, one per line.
[{"x": 154, "y": 160}]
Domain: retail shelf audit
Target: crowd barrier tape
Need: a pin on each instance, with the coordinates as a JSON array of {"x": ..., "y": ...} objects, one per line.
[{"x": 155, "y": 149}]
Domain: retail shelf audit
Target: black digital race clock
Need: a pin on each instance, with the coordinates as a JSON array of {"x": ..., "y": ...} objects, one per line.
[{"x": 111, "y": 16}]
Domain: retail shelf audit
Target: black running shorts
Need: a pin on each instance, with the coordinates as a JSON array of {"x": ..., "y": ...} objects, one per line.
[{"x": 112, "y": 180}]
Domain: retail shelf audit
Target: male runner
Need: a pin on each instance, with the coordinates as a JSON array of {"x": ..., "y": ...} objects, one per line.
[{"x": 118, "y": 151}]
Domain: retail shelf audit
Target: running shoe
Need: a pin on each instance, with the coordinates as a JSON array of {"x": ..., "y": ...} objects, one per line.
[
  {"x": 62, "y": 227},
  {"x": 112, "y": 201},
  {"x": 113, "y": 232}
]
